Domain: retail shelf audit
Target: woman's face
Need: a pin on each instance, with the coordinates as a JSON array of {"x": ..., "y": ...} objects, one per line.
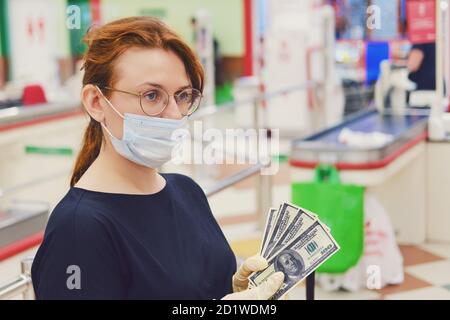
[{"x": 140, "y": 70}]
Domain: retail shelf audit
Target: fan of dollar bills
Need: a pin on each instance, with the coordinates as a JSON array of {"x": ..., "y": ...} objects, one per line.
[{"x": 295, "y": 242}]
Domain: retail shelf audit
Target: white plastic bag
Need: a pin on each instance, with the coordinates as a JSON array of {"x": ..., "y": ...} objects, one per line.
[{"x": 381, "y": 263}]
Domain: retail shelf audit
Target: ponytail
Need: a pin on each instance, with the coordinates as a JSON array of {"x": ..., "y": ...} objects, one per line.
[{"x": 92, "y": 143}]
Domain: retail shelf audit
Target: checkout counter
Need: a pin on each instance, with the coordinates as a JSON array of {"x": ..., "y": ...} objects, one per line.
[
  {"x": 30, "y": 168},
  {"x": 409, "y": 174},
  {"x": 394, "y": 173}
]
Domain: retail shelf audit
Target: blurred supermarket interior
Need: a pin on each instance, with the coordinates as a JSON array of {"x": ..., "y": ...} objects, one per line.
[{"x": 359, "y": 87}]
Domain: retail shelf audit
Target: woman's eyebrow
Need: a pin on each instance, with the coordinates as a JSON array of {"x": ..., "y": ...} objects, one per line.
[{"x": 162, "y": 87}]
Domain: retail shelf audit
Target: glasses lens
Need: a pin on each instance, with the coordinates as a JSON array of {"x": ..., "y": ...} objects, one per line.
[
  {"x": 153, "y": 101},
  {"x": 188, "y": 101}
]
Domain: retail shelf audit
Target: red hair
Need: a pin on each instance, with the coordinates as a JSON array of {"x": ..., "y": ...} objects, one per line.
[{"x": 105, "y": 45}]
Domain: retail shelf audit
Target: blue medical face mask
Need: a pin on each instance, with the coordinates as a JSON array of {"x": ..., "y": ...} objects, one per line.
[{"x": 148, "y": 141}]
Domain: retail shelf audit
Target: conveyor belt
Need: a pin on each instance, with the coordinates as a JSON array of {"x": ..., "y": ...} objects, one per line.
[
  {"x": 21, "y": 220},
  {"x": 325, "y": 147}
]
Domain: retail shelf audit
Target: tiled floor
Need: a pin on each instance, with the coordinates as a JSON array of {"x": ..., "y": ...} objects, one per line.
[{"x": 426, "y": 274}]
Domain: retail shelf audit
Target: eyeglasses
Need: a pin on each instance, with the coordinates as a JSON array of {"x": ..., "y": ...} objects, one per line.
[{"x": 154, "y": 100}]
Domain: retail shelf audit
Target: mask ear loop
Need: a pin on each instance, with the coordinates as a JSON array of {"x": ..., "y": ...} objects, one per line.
[
  {"x": 107, "y": 130},
  {"x": 111, "y": 105}
]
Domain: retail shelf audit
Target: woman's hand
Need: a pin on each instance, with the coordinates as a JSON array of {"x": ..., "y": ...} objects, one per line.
[
  {"x": 262, "y": 292},
  {"x": 250, "y": 265}
]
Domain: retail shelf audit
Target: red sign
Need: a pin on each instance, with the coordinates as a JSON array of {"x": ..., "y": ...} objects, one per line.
[{"x": 421, "y": 20}]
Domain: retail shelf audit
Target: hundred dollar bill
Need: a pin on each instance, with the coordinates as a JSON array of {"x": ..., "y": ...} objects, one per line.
[
  {"x": 317, "y": 217},
  {"x": 301, "y": 222},
  {"x": 272, "y": 227},
  {"x": 286, "y": 215},
  {"x": 298, "y": 259},
  {"x": 277, "y": 214},
  {"x": 270, "y": 221}
]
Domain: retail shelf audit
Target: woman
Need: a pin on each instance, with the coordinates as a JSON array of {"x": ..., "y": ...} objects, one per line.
[
  {"x": 124, "y": 231},
  {"x": 422, "y": 66}
]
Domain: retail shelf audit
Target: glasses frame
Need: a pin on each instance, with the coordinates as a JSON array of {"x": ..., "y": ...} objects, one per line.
[{"x": 141, "y": 94}]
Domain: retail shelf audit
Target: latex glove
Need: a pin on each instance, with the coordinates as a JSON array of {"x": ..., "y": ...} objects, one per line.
[
  {"x": 262, "y": 292},
  {"x": 250, "y": 265}
]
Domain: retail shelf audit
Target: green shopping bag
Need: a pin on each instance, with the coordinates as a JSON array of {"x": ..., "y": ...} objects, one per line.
[{"x": 340, "y": 207}]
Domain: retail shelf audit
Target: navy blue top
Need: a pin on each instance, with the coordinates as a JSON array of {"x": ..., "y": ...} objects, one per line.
[
  {"x": 165, "y": 245},
  {"x": 425, "y": 76}
]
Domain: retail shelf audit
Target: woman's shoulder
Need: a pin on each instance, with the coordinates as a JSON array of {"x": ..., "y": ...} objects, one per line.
[
  {"x": 178, "y": 177},
  {"x": 75, "y": 210},
  {"x": 179, "y": 180},
  {"x": 76, "y": 234},
  {"x": 74, "y": 223}
]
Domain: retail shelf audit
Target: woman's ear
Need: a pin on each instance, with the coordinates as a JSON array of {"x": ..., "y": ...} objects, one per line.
[{"x": 91, "y": 99}]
